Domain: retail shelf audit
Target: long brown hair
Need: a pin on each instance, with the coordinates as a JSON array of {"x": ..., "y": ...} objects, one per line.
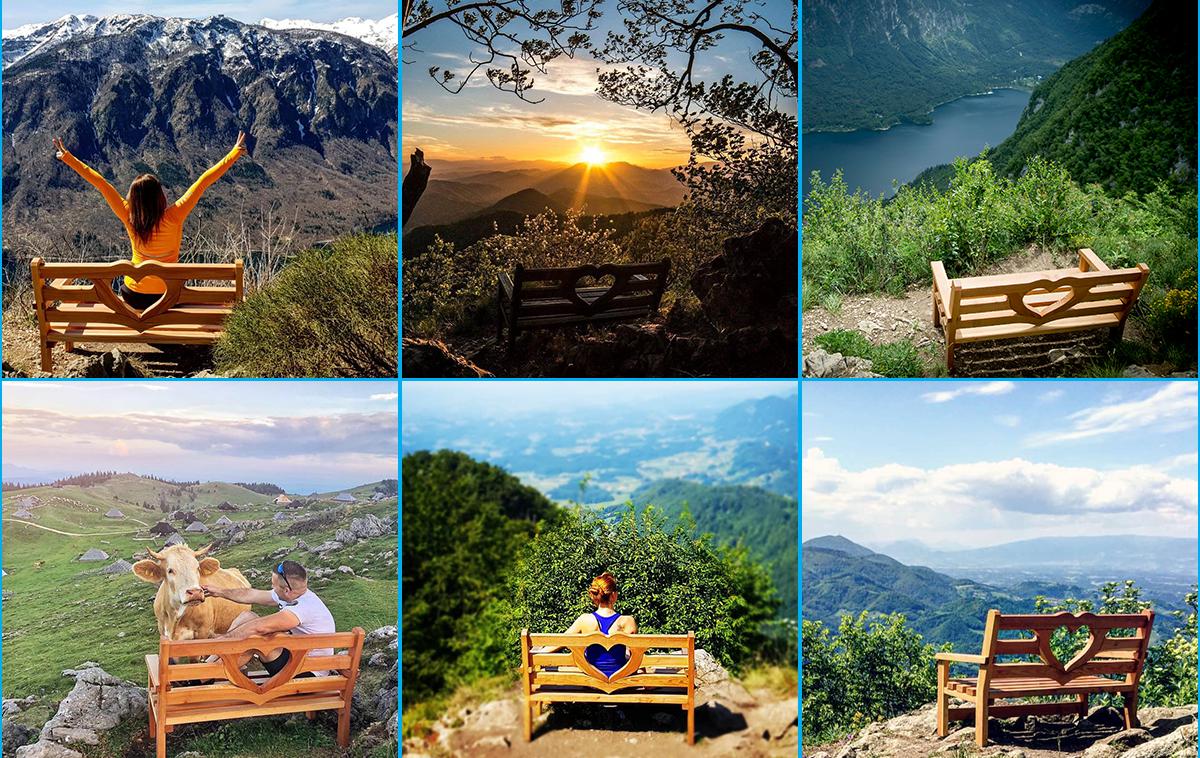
[{"x": 147, "y": 204}]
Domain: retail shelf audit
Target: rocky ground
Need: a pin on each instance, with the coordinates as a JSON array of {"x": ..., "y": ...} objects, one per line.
[
  {"x": 745, "y": 325},
  {"x": 729, "y": 719},
  {"x": 101, "y": 705},
  {"x": 884, "y": 318},
  {"x": 1164, "y": 733}
]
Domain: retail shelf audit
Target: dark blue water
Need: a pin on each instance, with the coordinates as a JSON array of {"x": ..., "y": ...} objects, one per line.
[{"x": 872, "y": 159}]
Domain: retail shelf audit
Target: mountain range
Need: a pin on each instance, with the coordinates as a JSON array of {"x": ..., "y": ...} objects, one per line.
[
  {"x": 462, "y": 192},
  {"x": 752, "y": 443},
  {"x": 139, "y": 93},
  {"x": 841, "y": 577},
  {"x": 873, "y": 63}
]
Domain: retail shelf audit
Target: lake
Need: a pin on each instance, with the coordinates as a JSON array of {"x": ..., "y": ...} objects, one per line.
[{"x": 872, "y": 159}]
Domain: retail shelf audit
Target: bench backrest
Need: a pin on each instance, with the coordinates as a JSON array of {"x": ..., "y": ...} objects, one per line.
[
  {"x": 1103, "y": 654},
  {"x": 673, "y": 665},
  {"x": 205, "y": 304},
  {"x": 232, "y": 684},
  {"x": 1039, "y": 297},
  {"x": 554, "y": 291}
]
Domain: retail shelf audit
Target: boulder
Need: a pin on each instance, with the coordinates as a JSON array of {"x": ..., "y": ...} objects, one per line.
[
  {"x": 111, "y": 365},
  {"x": 363, "y": 528},
  {"x": 820, "y": 364},
  {"x": 98, "y": 702},
  {"x": 16, "y": 735},
  {"x": 1177, "y": 744},
  {"x": 753, "y": 282},
  {"x": 45, "y": 749},
  {"x": 715, "y": 685}
]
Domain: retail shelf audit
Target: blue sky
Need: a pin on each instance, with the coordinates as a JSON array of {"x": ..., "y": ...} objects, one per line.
[
  {"x": 975, "y": 463},
  {"x": 452, "y": 399},
  {"x": 20, "y": 12},
  {"x": 303, "y": 436},
  {"x": 483, "y": 122}
]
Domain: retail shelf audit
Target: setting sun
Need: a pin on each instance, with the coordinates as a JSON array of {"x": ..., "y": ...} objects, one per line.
[{"x": 592, "y": 155}]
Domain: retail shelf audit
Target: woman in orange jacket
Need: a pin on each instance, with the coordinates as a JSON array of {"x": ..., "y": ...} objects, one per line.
[{"x": 155, "y": 228}]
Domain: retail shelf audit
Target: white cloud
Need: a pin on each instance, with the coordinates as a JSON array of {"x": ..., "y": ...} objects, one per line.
[
  {"x": 974, "y": 388},
  {"x": 1009, "y": 420},
  {"x": 822, "y": 439},
  {"x": 1050, "y": 396},
  {"x": 990, "y": 501},
  {"x": 1170, "y": 408},
  {"x": 385, "y": 396}
]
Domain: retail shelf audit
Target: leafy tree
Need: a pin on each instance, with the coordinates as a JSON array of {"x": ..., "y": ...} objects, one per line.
[
  {"x": 672, "y": 581},
  {"x": 1169, "y": 675},
  {"x": 464, "y": 525},
  {"x": 870, "y": 670}
]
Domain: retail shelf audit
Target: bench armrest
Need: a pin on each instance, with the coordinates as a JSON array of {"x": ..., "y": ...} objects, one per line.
[
  {"x": 506, "y": 284},
  {"x": 1089, "y": 261},
  {"x": 980, "y": 660},
  {"x": 942, "y": 283}
]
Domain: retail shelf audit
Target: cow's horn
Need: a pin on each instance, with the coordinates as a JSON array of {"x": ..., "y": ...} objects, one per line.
[
  {"x": 202, "y": 551},
  {"x": 154, "y": 555}
]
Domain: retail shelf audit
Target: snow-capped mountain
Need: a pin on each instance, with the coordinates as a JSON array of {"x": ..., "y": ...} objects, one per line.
[
  {"x": 384, "y": 33},
  {"x": 131, "y": 94}
]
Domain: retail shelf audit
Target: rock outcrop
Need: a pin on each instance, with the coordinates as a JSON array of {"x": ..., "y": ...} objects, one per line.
[
  {"x": 364, "y": 528},
  {"x": 1165, "y": 733},
  {"x": 435, "y": 359},
  {"x": 820, "y": 364},
  {"x": 97, "y": 703}
]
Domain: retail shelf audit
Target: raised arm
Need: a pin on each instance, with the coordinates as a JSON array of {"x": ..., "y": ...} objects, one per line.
[
  {"x": 189, "y": 199},
  {"x": 246, "y": 595},
  {"x": 276, "y": 622},
  {"x": 93, "y": 177}
]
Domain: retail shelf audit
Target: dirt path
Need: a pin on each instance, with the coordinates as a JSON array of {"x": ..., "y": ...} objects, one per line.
[{"x": 70, "y": 534}]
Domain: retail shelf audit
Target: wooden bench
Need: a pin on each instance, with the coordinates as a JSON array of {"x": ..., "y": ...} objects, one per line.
[
  {"x": 68, "y": 312},
  {"x": 567, "y": 677},
  {"x": 538, "y": 298},
  {"x": 976, "y": 308},
  {"x": 1030, "y": 668},
  {"x": 176, "y": 698}
]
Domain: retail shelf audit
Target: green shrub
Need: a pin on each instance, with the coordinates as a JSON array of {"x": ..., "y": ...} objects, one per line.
[
  {"x": 671, "y": 582},
  {"x": 867, "y": 671},
  {"x": 331, "y": 313}
]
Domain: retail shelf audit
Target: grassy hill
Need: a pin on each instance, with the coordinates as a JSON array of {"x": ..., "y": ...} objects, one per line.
[
  {"x": 762, "y": 521},
  {"x": 60, "y": 613}
]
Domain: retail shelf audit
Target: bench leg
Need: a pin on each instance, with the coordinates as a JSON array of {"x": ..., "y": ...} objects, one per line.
[
  {"x": 981, "y": 721},
  {"x": 160, "y": 740},
  {"x": 311, "y": 715},
  {"x": 343, "y": 731},
  {"x": 1130, "y": 709},
  {"x": 1083, "y": 705},
  {"x": 691, "y": 725},
  {"x": 69, "y": 347},
  {"x": 47, "y": 358},
  {"x": 937, "y": 321},
  {"x": 943, "y": 702},
  {"x": 527, "y": 720}
]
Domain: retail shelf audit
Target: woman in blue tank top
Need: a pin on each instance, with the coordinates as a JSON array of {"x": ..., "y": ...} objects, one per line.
[{"x": 605, "y": 619}]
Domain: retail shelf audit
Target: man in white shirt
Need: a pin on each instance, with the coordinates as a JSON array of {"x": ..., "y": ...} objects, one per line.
[{"x": 300, "y": 611}]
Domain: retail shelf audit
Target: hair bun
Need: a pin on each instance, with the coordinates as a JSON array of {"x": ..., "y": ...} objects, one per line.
[{"x": 603, "y": 588}]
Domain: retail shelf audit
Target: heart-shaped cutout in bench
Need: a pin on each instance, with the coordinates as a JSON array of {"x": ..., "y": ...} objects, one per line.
[
  {"x": 170, "y": 296},
  {"x": 1082, "y": 658},
  {"x": 1042, "y": 313},
  {"x": 238, "y": 677},
  {"x": 579, "y": 657},
  {"x": 592, "y": 276}
]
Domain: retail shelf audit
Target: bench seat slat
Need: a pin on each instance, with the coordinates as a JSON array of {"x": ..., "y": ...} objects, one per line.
[
  {"x": 192, "y": 714},
  {"x": 170, "y": 335},
  {"x": 978, "y": 334},
  {"x": 223, "y": 691},
  {"x": 99, "y": 314},
  {"x": 1034, "y": 686}
]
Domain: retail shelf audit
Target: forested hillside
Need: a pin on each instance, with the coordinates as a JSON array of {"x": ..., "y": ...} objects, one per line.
[
  {"x": 1123, "y": 115},
  {"x": 872, "y": 63},
  {"x": 762, "y": 521}
]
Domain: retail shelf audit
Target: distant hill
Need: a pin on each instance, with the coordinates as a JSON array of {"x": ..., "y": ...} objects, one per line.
[
  {"x": 762, "y": 521},
  {"x": 872, "y": 63},
  {"x": 459, "y": 194},
  {"x": 840, "y": 543},
  {"x": 1123, "y": 115},
  {"x": 854, "y": 579},
  {"x": 1164, "y": 554},
  {"x": 769, "y": 453}
]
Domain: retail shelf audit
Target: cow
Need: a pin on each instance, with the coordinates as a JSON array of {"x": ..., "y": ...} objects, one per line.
[{"x": 180, "y": 606}]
